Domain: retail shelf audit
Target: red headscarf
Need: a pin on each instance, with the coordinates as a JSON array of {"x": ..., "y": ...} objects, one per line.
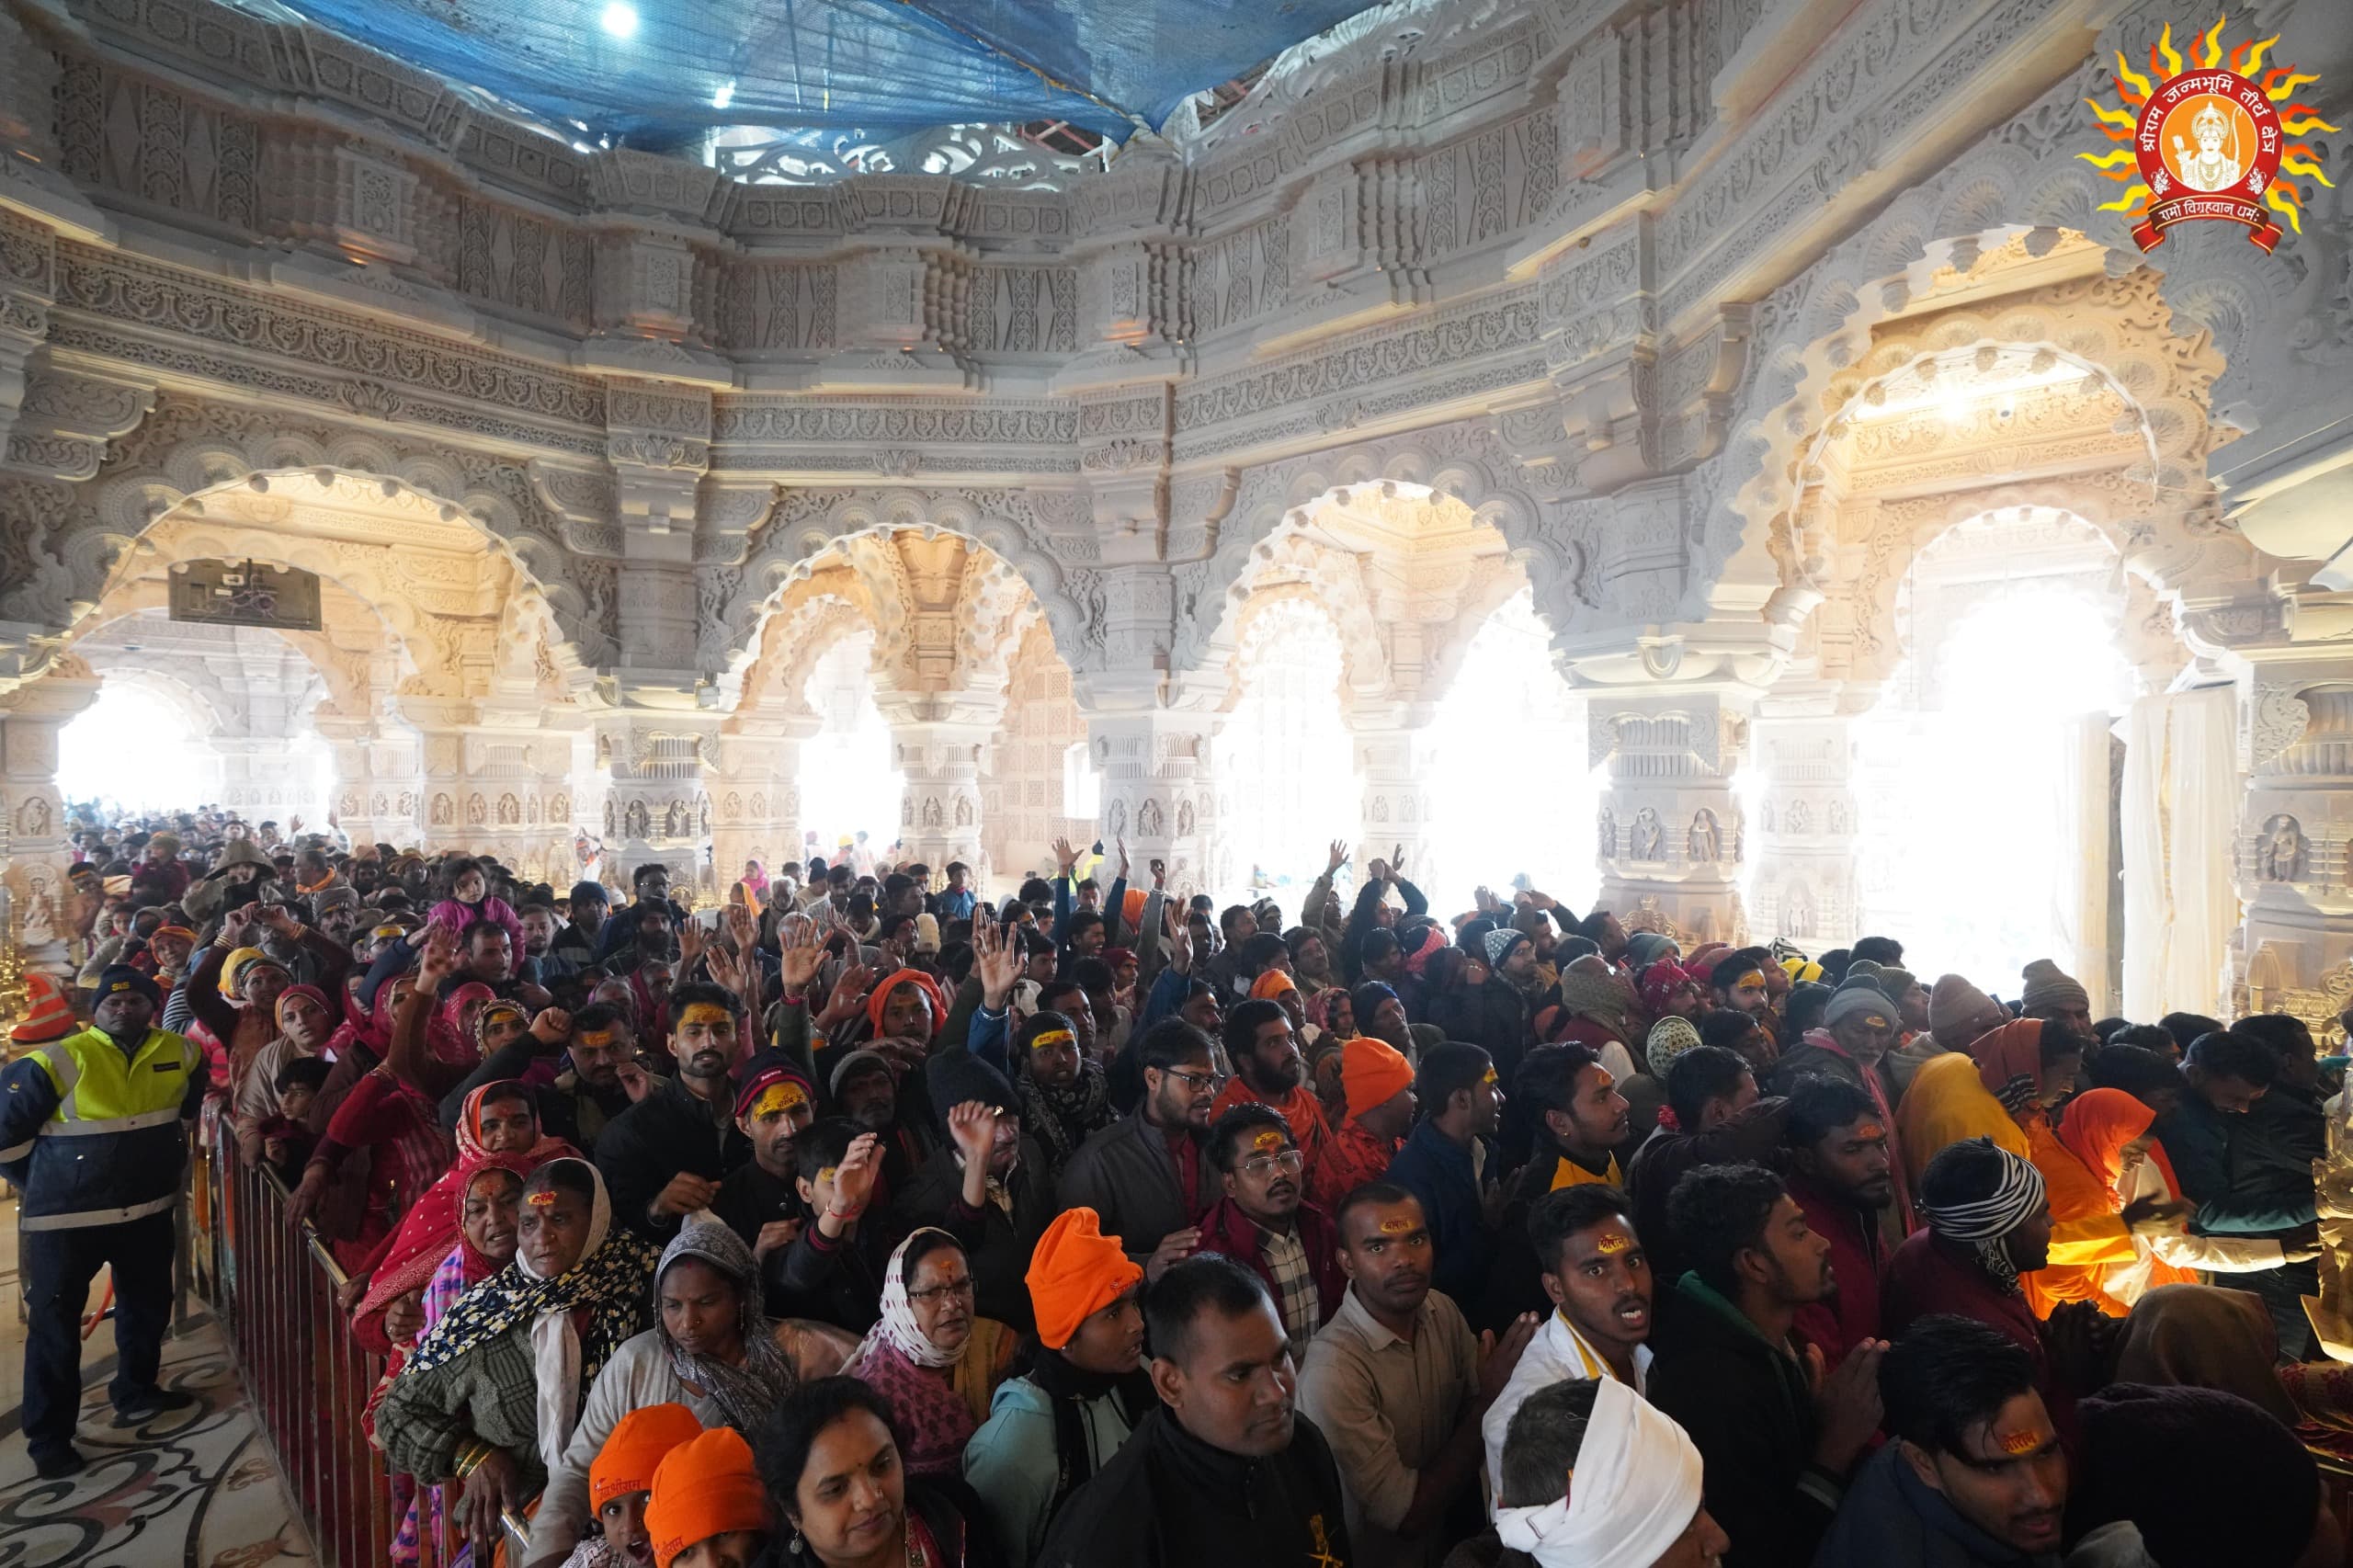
[
  {"x": 2100, "y": 1123},
  {"x": 1418, "y": 960},
  {"x": 1660, "y": 980},
  {"x": 891, "y": 981}
]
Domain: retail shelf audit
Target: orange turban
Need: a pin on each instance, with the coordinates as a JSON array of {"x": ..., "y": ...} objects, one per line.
[
  {"x": 1371, "y": 1071},
  {"x": 1131, "y": 908},
  {"x": 1076, "y": 1272},
  {"x": 1271, "y": 985},
  {"x": 636, "y": 1448},
  {"x": 703, "y": 1488}
]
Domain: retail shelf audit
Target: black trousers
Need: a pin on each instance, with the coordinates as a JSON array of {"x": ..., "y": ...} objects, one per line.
[{"x": 58, "y": 1267}]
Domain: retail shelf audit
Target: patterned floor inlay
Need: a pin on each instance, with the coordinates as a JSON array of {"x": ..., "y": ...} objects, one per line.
[{"x": 193, "y": 1489}]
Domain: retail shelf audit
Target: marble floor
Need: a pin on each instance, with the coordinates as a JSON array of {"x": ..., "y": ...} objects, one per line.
[{"x": 195, "y": 1488}]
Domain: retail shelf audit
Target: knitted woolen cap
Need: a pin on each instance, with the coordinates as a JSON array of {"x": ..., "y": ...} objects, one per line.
[{"x": 2048, "y": 988}]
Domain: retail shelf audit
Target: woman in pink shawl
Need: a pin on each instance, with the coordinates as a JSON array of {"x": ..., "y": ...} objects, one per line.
[{"x": 936, "y": 1359}]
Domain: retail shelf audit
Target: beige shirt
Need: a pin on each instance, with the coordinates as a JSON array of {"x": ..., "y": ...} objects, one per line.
[{"x": 1387, "y": 1407}]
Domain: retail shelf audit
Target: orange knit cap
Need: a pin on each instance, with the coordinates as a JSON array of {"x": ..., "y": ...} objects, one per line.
[
  {"x": 638, "y": 1443},
  {"x": 1271, "y": 984},
  {"x": 1076, "y": 1272},
  {"x": 704, "y": 1487},
  {"x": 1371, "y": 1071}
]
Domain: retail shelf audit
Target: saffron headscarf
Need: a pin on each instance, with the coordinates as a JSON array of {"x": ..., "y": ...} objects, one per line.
[
  {"x": 891, "y": 981},
  {"x": 1417, "y": 960},
  {"x": 2100, "y": 1123},
  {"x": 609, "y": 1283},
  {"x": 744, "y": 1394},
  {"x": 1270, "y": 985}
]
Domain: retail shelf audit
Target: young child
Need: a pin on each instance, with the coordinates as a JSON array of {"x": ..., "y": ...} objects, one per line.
[
  {"x": 708, "y": 1510},
  {"x": 285, "y": 1141},
  {"x": 471, "y": 900},
  {"x": 621, "y": 1480}
]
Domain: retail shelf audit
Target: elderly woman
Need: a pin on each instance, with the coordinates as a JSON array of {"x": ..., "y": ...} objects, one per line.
[
  {"x": 835, "y": 1471},
  {"x": 934, "y": 1360},
  {"x": 711, "y": 1349},
  {"x": 491, "y": 1396}
]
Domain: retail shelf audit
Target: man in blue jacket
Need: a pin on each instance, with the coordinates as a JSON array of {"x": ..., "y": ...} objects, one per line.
[{"x": 92, "y": 1128}]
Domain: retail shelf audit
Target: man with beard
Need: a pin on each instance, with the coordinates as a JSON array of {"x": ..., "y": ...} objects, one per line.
[
  {"x": 590, "y": 1089},
  {"x": 1576, "y": 1119},
  {"x": 336, "y": 910},
  {"x": 652, "y": 884},
  {"x": 1718, "y": 1120},
  {"x": 543, "y": 962},
  {"x": 1975, "y": 1476},
  {"x": 1377, "y": 1089},
  {"x": 1224, "y": 1472},
  {"x": 986, "y": 1185},
  {"x": 1146, "y": 1174},
  {"x": 1599, "y": 1279},
  {"x": 1778, "y": 1433},
  {"x": 1271, "y": 1072},
  {"x": 1841, "y": 1178},
  {"x": 663, "y": 1157},
  {"x": 867, "y": 1089},
  {"x": 1442, "y": 1164},
  {"x": 1398, "y": 1385},
  {"x": 1737, "y": 981},
  {"x": 758, "y": 1200},
  {"x": 1065, "y": 1098}
]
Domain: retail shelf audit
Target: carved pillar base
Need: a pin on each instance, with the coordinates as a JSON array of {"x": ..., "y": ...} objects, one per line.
[
  {"x": 379, "y": 792},
  {"x": 495, "y": 782},
  {"x": 1670, "y": 833},
  {"x": 33, "y": 853},
  {"x": 1804, "y": 832},
  {"x": 1158, "y": 793},
  {"x": 757, "y": 798}
]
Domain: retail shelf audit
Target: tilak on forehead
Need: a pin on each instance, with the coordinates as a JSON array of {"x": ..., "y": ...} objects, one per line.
[
  {"x": 779, "y": 1097},
  {"x": 1395, "y": 1225},
  {"x": 1052, "y": 1036},
  {"x": 2018, "y": 1442},
  {"x": 1267, "y": 1137},
  {"x": 705, "y": 1012},
  {"x": 594, "y": 1036},
  {"x": 1610, "y": 1241}
]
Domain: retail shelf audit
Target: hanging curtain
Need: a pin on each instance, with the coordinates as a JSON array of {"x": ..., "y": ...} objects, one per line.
[{"x": 2181, "y": 814}]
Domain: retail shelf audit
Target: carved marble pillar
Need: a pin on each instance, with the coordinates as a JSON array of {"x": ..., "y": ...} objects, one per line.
[
  {"x": 1804, "y": 832},
  {"x": 1670, "y": 833},
  {"x": 756, "y": 809},
  {"x": 378, "y": 779},
  {"x": 937, "y": 739},
  {"x": 1158, "y": 791},
  {"x": 494, "y": 780},
  {"x": 654, "y": 761},
  {"x": 1395, "y": 755},
  {"x": 33, "y": 854}
]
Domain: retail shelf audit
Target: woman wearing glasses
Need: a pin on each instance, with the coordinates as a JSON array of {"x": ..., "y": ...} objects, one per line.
[{"x": 931, "y": 1356}]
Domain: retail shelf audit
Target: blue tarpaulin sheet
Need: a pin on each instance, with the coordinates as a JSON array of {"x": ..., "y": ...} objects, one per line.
[{"x": 658, "y": 73}]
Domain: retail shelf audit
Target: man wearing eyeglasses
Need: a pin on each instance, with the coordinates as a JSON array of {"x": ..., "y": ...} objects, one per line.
[
  {"x": 1147, "y": 1175},
  {"x": 1265, "y": 1222}
]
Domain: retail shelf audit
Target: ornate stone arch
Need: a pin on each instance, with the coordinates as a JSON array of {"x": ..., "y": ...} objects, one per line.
[
  {"x": 736, "y": 599},
  {"x": 1463, "y": 463},
  {"x": 2022, "y": 182},
  {"x": 187, "y": 450},
  {"x": 801, "y": 631}
]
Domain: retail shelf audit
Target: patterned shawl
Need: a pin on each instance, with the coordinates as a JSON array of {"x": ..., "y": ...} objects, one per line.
[
  {"x": 1064, "y": 1115},
  {"x": 916, "y": 1376}
]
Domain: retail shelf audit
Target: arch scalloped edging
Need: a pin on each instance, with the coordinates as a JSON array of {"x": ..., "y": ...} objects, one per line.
[
  {"x": 188, "y": 449},
  {"x": 736, "y": 599},
  {"x": 2022, "y": 178}
]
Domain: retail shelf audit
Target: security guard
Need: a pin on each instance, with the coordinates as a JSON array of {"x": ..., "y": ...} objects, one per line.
[{"x": 92, "y": 1131}]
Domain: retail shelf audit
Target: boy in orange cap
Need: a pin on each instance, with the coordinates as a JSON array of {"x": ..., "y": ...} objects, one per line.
[
  {"x": 708, "y": 1510},
  {"x": 1379, "y": 1084},
  {"x": 1083, "y": 1286},
  {"x": 621, "y": 1480}
]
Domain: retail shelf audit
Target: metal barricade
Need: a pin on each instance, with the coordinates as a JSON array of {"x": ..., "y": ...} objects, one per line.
[{"x": 308, "y": 1377}]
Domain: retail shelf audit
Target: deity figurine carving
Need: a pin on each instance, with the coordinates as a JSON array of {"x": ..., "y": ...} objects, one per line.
[
  {"x": 1707, "y": 840},
  {"x": 2279, "y": 854},
  {"x": 1648, "y": 836},
  {"x": 38, "y": 927},
  {"x": 33, "y": 820},
  {"x": 636, "y": 821},
  {"x": 1607, "y": 825},
  {"x": 1149, "y": 819}
]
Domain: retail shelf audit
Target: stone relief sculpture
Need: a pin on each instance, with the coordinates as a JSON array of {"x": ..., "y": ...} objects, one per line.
[
  {"x": 1607, "y": 825},
  {"x": 38, "y": 927},
  {"x": 2279, "y": 854},
  {"x": 1149, "y": 819},
  {"x": 1649, "y": 835},
  {"x": 1184, "y": 819},
  {"x": 674, "y": 819},
  {"x": 34, "y": 819},
  {"x": 1706, "y": 841},
  {"x": 636, "y": 821},
  {"x": 445, "y": 811}
]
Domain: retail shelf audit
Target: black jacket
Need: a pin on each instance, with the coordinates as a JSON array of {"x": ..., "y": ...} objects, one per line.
[
  {"x": 997, "y": 1245},
  {"x": 569, "y": 1108},
  {"x": 1748, "y": 1410},
  {"x": 1168, "y": 1498},
  {"x": 749, "y": 1199},
  {"x": 667, "y": 1133}
]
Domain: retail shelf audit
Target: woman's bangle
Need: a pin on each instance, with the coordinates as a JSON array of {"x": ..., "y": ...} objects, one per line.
[{"x": 469, "y": 1458}]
